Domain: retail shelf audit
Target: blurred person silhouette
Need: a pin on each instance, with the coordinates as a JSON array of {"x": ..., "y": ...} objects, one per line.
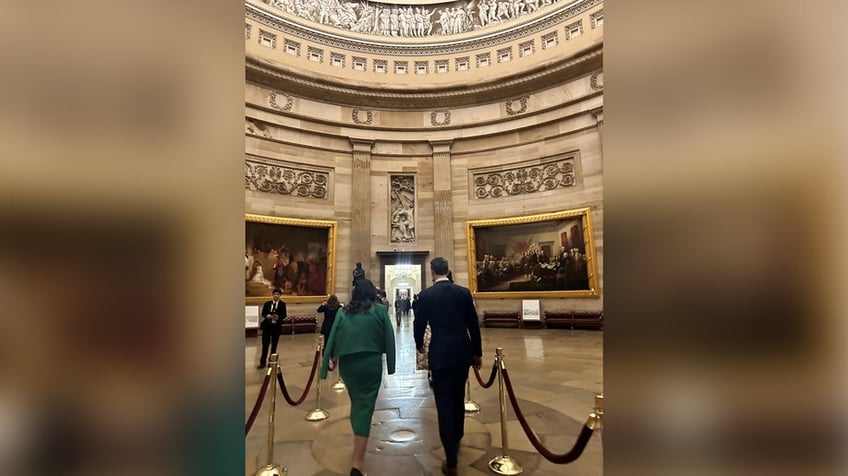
[
  {"x": 382, "y": 299},
  {"x": 329, "y": 307}
]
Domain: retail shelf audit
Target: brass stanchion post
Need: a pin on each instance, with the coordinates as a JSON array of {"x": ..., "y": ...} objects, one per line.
[
  {"x": 503, "y": 464},
  {"x": 339, "y": 385},
  {"x": 318, "y": 414},
  {"x": 596, "y": 416},
  {"x": 272, "y": 469},
  {"x": 470, "y": 405}
]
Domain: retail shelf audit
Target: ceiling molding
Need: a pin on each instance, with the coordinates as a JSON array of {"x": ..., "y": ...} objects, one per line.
[{"x": 342, "y": 92}]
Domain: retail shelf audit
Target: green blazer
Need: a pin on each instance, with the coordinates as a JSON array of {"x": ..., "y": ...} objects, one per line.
[{"x": 370, "y": 331}]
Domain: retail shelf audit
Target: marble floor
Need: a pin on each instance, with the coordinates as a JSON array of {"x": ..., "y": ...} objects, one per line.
[{"x": 555, "y": 374}]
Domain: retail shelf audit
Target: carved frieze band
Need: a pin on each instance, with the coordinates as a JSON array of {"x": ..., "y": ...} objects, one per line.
[
  {"x": 412, "y": 99},
  {"x": 402, "y": 217},
  {"x": 524, "y": 180},
  {"x": 399, "y": 20},
  {"x": 285, "y": 180},
  {"x": 295, "y": 23}
]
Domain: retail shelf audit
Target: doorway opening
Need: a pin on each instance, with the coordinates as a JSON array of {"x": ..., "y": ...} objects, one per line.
[
  {"x": 401, "y": 276},
  {"x": 403, "y": 281}
]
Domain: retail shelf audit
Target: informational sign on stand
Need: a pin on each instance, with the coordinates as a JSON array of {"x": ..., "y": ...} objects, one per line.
[
  {"x": 530, "y": 310},
  {"x": 251, "y": 317}
]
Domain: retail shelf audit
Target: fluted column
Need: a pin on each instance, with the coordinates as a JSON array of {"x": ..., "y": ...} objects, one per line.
[
  {"x": 442, "y": 201},
  {"x": 360, "y": 203}
]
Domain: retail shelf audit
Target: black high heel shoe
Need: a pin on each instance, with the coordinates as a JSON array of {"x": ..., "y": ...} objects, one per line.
[{"x": 355, "y": 472}]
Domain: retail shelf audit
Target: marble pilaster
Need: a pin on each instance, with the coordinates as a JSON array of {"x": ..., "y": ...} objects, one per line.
[
  {"x": 360, "y": 203},
  {"x": 442, "y": 200}
]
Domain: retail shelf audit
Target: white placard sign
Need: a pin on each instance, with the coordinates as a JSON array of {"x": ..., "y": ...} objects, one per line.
[
  {"x": 251, "y": 317},
  {"x": 530, "y": 310}
]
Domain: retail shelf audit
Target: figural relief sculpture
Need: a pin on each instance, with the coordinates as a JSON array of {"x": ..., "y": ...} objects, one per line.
[
  {"x": 402, "y": 208},
  {"x": 384, "y": 19}
]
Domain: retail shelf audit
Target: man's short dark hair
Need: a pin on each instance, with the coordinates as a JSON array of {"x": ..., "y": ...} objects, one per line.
[
  {"x": 277, "y": 291},
  {"x": 439, "y": 266}
]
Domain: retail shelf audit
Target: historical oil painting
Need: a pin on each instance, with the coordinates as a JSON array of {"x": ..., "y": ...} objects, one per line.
[
  {"x": 546, "y": 255},
  {"x": 294, "y": 255}
]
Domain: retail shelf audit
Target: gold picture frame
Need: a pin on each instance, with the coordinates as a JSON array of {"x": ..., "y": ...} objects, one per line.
[
  {"x": 549, "y": 255},
  {"x": 296, "y": 255}
]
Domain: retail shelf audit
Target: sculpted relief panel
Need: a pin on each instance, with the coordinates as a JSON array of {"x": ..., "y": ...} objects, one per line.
[
  {"x": 523, "y": 180},
  {"x": 402, "y": 209},
  {"x": 385, "y": 19},
  {"x": 284, "y": 180}
]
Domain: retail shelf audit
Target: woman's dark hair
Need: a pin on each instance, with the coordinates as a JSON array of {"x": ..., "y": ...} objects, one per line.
[
  {"x": 333, "y": 302},
  {"x": 364, "y": 295}
]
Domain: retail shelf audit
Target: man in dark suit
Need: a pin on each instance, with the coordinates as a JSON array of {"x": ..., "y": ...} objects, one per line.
[
  {"x": 454, "y": 346},
  {"x": 273, "y": 313}
]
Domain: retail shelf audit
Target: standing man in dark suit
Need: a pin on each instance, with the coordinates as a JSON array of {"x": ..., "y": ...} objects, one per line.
[
  {"x": 454, "y": 346},
  {"x": 273, "y": 313}
]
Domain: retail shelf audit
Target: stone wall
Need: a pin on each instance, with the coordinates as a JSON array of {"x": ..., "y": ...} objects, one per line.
[{"x": 327, "y": 139}]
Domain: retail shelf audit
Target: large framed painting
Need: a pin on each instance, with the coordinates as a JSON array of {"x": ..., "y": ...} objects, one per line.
[
  {"x": 548, "y": 255},
  {"x": 295, "y": 255}
]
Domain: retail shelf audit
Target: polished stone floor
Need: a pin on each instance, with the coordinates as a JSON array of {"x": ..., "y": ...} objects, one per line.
[{"x": 555, "y": 374}]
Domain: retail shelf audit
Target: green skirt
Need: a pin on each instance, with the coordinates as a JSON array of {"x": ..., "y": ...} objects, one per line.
[{"x": 362, "y": 373}]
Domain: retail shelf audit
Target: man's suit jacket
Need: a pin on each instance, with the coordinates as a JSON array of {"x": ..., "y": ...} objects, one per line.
[
  {"x": 455, "y": 332},
  {"x": 266, "y": 324}
]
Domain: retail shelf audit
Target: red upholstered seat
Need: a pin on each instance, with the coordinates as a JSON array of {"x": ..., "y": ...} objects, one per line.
[
  {"x": 299, "y": 324},
  {"x": 501, "y": 319},
  {"x": 574, "y": 319}
]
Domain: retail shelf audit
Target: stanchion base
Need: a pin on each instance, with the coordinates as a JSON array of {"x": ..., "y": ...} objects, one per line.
[
  {"x": 271, "y": 470},
  {"x": 471, "y": 406},
  {"x": 338, "y": 386},
  {"x": 505, "y": 465},
  {"x": 317, "y": 415}
]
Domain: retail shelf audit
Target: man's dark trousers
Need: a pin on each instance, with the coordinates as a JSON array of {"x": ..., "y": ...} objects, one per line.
[
  {"x": 268, "y": 337},
  {"x": 449, "y": 392}
]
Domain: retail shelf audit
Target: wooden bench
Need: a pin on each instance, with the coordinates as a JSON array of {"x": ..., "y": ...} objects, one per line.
[
  {"x": 574, "y": 319},
  {"x": 299, "y": 324},
  {"x": 501, "y": 319}
]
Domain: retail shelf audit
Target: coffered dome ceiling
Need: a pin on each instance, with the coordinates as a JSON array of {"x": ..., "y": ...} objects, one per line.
[{"x": 418, "y": 54}]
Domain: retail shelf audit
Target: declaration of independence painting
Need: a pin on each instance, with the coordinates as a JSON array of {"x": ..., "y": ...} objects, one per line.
[{"x": 546, "y": 255}]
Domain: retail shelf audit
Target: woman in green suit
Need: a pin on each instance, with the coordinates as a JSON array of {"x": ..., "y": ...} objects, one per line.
[{"x": 361, "y": 334}]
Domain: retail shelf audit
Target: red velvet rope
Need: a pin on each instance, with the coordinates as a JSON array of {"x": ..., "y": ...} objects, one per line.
[
  {"x": 491, "y": 376},
  {"x": 308, "y": 384},
  {"x": 258, "y": 404},
  {"x": 572, "y": 455}
]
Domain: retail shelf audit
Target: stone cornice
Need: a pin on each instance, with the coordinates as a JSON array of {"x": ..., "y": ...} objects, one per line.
[{"x": 422, "y": 97}]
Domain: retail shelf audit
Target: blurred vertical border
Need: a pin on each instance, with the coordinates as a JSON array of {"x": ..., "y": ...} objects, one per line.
[
  {"x": 121, "y": 221},
  {"x": 121, "y": 217},
  {"x": 724, "y": 212}
]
